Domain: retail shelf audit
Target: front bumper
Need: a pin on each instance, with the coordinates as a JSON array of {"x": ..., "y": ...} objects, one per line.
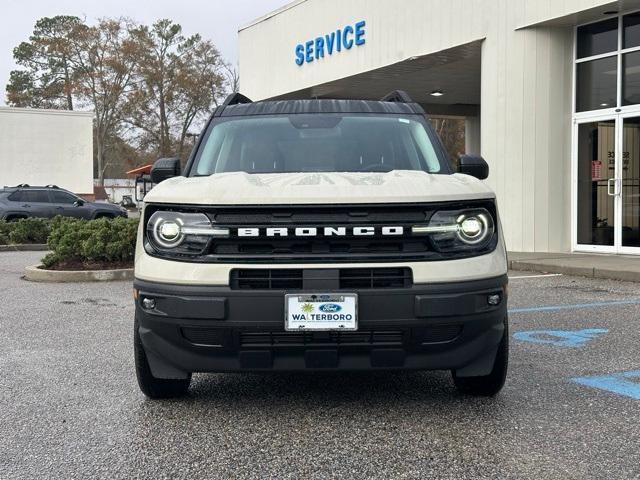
[{"x": 216, "y": 329}]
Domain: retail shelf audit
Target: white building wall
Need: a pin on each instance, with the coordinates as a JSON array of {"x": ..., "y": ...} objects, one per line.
[
  {"x": 395, "y": 32},
  {"x": 526, "y": 103},
  {"x": 526, "y": 94},
  {"x": 42, "y": 147}
]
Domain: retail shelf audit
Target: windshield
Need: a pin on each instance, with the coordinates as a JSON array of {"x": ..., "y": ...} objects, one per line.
[{"x": 317, "y": 143}]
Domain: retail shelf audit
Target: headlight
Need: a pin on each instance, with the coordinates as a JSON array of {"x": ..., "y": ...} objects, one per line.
[
  {"x": 180, "y": 233},
  {"x": 168, "y": 233},
  {"x": 475, "y": 227},
  {"x": 459, "y": 230}
]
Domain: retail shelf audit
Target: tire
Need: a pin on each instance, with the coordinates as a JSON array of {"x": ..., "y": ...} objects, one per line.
[
  {"x": 152, "y": 387},
  {"x": 488, "y": 385}
]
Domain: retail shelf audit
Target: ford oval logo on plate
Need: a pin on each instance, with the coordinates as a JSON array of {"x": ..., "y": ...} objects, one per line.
[{"x": 330, "y": 308}]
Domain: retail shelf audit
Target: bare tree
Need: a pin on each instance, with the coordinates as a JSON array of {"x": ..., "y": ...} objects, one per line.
[
  {"x": 105, "y": 59},
  {"x": 232, "y": 78},
  {"x": 181, "y": 78},
  {"x": 148, "y": 85}
]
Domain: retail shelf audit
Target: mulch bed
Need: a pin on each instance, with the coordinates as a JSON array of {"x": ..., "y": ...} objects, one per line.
[{"x": 80, "y": 265}]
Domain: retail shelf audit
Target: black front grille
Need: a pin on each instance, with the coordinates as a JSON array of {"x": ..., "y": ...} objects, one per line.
[
  {"x": 293, "y": 279},
  {"x": 334, "y": 248},
  {"x": 375, "y": 278},
  {"x": 385, "y": 337},
  {"x": 309, "y": 249},
  {"x": 346, "y": 246},
  {"x": 266, "y": 279},
  {"x": 309, "y": 339}
]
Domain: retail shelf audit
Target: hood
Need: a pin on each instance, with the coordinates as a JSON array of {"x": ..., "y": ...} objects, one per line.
[{"x": 240, "y": 188}]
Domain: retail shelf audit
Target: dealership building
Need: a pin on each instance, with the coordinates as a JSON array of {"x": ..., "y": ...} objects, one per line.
[
  {"x": 549, "y": 91},
  {"x": 47, "y": 147}
]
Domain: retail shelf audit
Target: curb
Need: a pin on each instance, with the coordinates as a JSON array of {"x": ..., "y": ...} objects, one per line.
[
  {"x": 590, "y": 272},
  {"x": 25, "y": 247},
  {"x": 35, "y": 274}
]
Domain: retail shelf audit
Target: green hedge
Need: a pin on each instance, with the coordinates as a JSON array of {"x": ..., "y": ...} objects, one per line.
[
  {"x": 24, "y": 230},
  {"x": 101, "y": 240}
]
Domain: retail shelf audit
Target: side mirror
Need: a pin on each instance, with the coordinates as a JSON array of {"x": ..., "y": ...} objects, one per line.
[
  {"x": 78, "y": 203},
  {"x": 165, "y": 168},
  {"x": 473, "y": 165}
]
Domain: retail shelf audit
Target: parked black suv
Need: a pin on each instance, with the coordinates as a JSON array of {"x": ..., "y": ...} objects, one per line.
[{"x": 25, "y": 201}]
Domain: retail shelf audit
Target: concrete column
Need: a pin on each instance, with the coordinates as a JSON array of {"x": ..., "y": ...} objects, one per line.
[{"x": 526, "y": 132}]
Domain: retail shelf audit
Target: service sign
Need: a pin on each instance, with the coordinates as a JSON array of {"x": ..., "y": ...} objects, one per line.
[
  {"x": 321, "y": 312},
  {"x": 339, "y": 40}
]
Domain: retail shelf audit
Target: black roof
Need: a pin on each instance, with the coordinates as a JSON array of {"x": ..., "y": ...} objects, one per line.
[
  {"x": 318, "y": 106},
  {"x": 395, "y": 103}
]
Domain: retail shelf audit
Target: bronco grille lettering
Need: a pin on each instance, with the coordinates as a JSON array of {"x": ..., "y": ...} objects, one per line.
[{"x": 323, "y": 231}]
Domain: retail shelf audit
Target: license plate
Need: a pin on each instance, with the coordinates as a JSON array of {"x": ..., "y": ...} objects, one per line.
[{"x": 321, "y": 311}]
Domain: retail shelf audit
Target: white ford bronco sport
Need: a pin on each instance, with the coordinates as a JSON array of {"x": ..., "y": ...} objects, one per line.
[{"x": 320, "y": 235}]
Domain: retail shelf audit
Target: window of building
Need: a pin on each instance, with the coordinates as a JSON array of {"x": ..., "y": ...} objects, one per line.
[
  {"x": 631, "y": 78},
  {"x": 607, "y": 71},
  {"x": 598, "y": 38},
  {"x": 596, "y": 84},
  {"x": 631, "y": 25}
]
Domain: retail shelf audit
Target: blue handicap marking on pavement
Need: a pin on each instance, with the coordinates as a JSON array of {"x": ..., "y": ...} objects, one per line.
[
  {"x": 625, "y": 383},
  {"x": 560, "y": 338}
]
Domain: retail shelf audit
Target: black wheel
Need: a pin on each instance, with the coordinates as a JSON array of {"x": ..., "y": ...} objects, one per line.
[
  {"x": 488, "y": 385},
  {"x": 151, "y": 386}
]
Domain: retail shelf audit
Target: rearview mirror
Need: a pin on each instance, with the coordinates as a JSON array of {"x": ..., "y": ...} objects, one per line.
[
  {"x": 473, "y": 165},
  {"x": 165, "y": 168},
  {"x": 78, "y": 203}
]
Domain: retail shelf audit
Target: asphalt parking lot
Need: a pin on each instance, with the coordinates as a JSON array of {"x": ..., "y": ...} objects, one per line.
[{"x": 70, "y": 406}]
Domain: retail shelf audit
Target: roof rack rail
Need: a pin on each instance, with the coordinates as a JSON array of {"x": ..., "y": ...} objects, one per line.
[
  {"x": 23, "y": 185},
  {"x": 51, "y": 186},
  {"x": 397, "y": 96},
  {"x": 235, "y": 99}
]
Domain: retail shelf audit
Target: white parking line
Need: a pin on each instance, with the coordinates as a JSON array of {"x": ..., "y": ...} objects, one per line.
[{"x": 538, "y": 276}]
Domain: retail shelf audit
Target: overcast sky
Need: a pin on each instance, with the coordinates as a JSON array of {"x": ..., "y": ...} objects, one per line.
[{"x": 217, "y": 20}]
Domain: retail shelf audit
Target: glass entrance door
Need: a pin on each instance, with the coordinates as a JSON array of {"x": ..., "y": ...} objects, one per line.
[
  {"x": 629, "y": 184},
  {"x": 606, "y": 138},
  {"x": 607, "y": 186},
  {"x": 596, "y": 162}
]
